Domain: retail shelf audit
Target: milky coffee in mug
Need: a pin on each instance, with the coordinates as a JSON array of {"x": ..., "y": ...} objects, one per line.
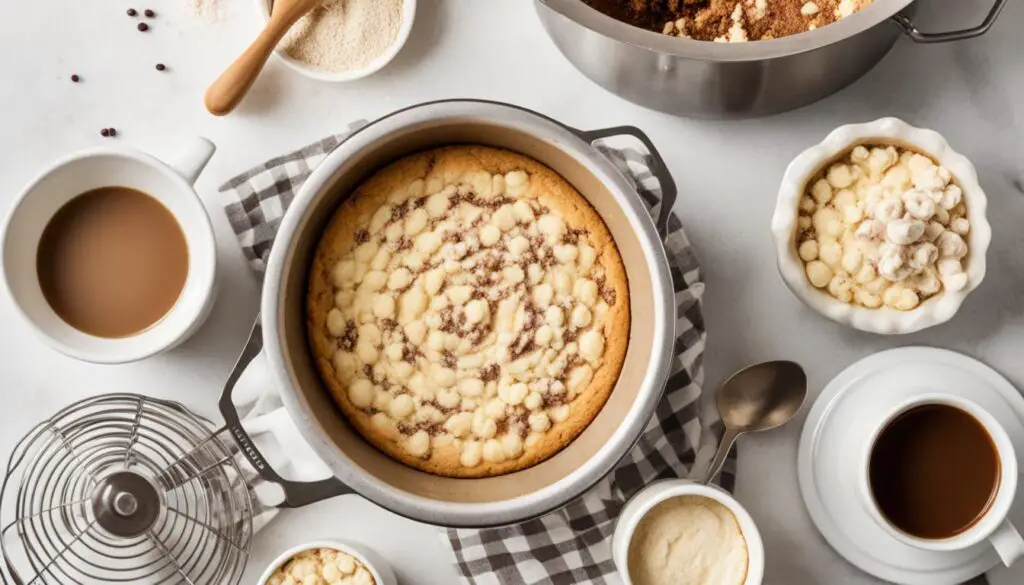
[{"x": 112, "y": 262}]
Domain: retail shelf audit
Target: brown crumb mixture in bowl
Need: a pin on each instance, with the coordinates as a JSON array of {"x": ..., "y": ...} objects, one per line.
[{"x": 729, "y": 20}]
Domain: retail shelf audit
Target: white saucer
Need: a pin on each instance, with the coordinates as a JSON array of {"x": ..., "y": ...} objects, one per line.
[{"x": 836, "y": 432}]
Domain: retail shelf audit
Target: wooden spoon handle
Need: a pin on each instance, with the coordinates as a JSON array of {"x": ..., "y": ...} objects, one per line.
[{"x": 225, "y": 94}]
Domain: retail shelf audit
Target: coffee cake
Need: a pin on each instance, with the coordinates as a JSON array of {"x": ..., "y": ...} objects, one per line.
[{"x": 469, "y": 311}]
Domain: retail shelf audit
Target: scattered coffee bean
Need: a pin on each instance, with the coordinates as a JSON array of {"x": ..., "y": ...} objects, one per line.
[
  {"x": 143, "y": 27},
  {"x": 160, "y": 67},
  {"x": 105, "y": 132},
  {"x": 75, "y": 78},
  {"x": 132, "y": 12},
  {"x": 149, "y": 13},
  {"x": 113, "y": 132}
]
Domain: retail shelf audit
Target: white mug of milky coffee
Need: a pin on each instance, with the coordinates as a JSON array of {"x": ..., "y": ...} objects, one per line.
[{"x": 110, "y": 255}]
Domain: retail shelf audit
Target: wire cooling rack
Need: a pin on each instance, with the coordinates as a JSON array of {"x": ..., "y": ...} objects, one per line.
[{"x": 125, "y": 489}]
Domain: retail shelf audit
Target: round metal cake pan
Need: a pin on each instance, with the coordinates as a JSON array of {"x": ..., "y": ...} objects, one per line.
[{"x": 514, "y": 497}]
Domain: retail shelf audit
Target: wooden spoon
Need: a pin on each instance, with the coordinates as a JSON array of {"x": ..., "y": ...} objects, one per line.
[{"x": 225, "y": 94}]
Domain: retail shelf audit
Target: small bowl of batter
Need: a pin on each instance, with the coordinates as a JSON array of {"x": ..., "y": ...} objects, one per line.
[{"x": 678, "y": 531}]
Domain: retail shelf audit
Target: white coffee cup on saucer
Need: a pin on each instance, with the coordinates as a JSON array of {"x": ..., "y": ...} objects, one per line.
[
  {"x": 993, "y": 525},
  {"x": 169, "y": 183}
]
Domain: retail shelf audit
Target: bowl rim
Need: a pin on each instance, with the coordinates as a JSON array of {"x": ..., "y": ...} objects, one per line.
[
  {"x": 338, "y": 545},
  {"x": 408, "y": 16},
  {"x": 591, "y": 18},
  {"x": 884, "y": 320}
]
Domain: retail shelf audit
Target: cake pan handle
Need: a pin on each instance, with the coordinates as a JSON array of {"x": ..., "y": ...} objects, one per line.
[
  {"x": 296, "y": 493},
  {"x": 904, "y": 22},
  {"x": 657, "y": 164}
]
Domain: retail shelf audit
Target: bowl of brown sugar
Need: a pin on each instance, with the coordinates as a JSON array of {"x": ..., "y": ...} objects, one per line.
[{"x": 345, "y": 40}]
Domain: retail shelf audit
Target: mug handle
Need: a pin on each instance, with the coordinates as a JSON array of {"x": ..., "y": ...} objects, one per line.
[
  {"x": 296, "y": 493},
  {"x": 191, "y": 161},
  {"x": 658, "y": 168},
  {"x": 1008, "y": 543}
]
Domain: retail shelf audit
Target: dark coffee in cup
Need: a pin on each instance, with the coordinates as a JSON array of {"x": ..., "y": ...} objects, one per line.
[{"x": 934, "y": 471}]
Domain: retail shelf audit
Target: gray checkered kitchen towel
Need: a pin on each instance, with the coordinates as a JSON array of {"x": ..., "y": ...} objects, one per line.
[{"x": 571, "y": 545}]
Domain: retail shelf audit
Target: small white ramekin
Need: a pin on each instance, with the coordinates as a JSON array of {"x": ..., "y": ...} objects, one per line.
[
  {"x": 658, "y": 492},
  {"x": 408, "y": 16},
  {"x": 810, "y": 163},
  {"x": 378, "y": 567}
]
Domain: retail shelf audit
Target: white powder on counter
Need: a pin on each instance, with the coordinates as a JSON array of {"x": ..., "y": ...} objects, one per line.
[
  {"x": 341, "y": 35},
  {"x": 208, "y": 10}
]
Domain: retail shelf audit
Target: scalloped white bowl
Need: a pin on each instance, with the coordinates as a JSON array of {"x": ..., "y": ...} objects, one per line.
[{"x": 810, "y": 162}]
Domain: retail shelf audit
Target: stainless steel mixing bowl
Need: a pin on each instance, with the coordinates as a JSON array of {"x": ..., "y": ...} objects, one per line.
[{"x": 721, "y": 80}]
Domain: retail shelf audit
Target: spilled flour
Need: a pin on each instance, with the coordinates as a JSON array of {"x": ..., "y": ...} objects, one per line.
[{"x": 208, "y": 10}]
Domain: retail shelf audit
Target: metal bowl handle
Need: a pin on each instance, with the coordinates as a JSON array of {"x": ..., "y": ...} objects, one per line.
[
  {"x": 658, "y": 168},
  {"x": 296, "y": 493},
  {"x": 904, "y": 22}
]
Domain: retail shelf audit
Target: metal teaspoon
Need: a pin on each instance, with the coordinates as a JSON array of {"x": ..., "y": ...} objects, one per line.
[{"x": 757, "y": 398}]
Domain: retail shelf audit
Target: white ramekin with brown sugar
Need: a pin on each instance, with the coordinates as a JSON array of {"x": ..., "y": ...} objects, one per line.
[{"x": 899, "y": 254}]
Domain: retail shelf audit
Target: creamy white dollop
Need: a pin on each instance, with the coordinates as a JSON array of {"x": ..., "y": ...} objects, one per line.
[{"x": 689, "y": 540}]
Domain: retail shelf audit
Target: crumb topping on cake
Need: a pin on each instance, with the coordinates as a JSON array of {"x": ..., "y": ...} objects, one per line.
[{"x": 468, "y": 314}]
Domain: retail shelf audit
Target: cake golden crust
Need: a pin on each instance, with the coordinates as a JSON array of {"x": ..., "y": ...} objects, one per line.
[{"x": 352, "y": 316}]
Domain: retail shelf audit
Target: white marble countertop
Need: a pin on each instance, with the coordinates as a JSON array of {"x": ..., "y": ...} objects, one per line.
[{"x": 727, "y": 173}]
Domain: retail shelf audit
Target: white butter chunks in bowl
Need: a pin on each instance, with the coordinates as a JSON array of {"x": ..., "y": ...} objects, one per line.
[
  {"x": 878, "y": 224},
  {"x": 882, "y": 227},
  {"x": 328, "y": 563}
]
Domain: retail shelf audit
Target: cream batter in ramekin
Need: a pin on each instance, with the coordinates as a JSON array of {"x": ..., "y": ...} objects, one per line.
[{"x": 688, "y": 540}]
